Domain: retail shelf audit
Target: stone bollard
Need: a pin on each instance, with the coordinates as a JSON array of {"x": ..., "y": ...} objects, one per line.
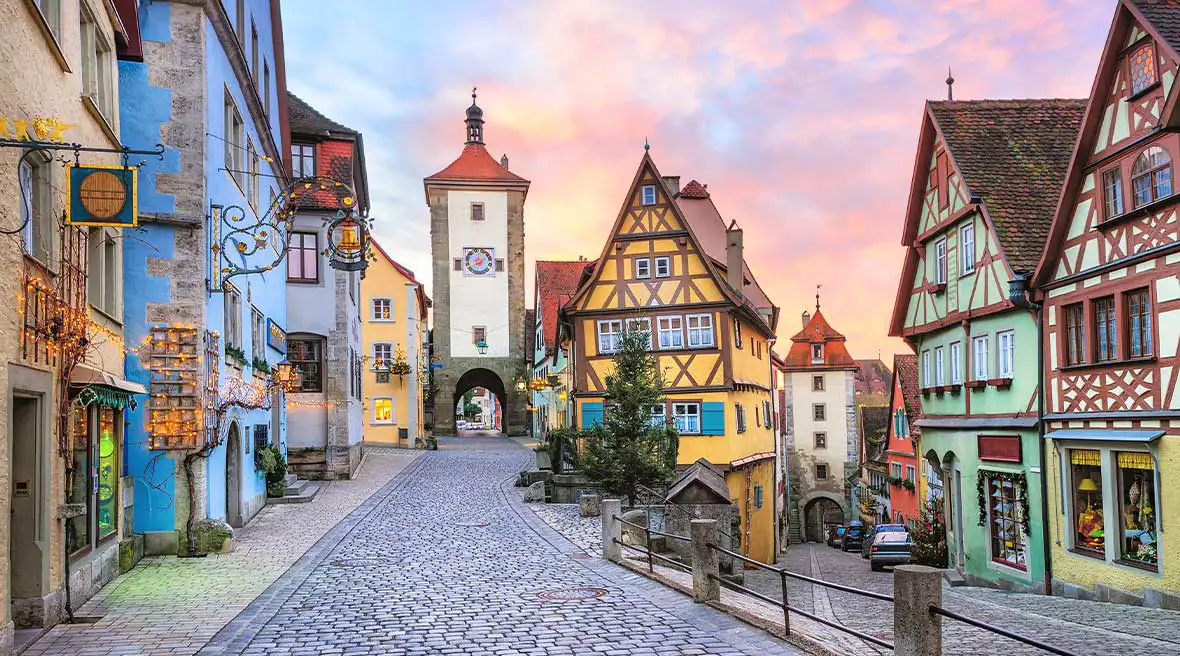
[
  {"x": 704, "y": 561},
  {"x": 589, "y": 504},
  {"x": 611, "y": 529},
  {"x": 916, "y": 631}
]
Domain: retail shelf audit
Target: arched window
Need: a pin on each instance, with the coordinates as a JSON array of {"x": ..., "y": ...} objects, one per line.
[{"x": 1151, "y": 177}]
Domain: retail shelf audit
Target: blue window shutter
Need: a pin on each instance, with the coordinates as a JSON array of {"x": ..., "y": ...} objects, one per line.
[
  {"x": 713, "y": 418},
  {"x": 591, "y": 414}
]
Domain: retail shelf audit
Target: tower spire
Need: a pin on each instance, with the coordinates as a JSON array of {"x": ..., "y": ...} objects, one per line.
[
  {"x": 474, "y": 121},
  {"x": 817, "y": 297},
  {"x": 950, "y": 84}
]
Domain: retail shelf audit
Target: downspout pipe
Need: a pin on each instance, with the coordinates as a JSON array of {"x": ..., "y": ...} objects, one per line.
[{"x": 1021, "y": 297}]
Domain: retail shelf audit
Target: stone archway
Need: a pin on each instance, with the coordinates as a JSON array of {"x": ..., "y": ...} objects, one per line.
[
  {"x": 821, "y": 510},
  {"x": 480, "y": 377}
]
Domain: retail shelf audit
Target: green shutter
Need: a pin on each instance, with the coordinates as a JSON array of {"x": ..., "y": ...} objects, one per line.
[
  {"x": 713, "y": 418},
  {"x": 591, "y": 414}
]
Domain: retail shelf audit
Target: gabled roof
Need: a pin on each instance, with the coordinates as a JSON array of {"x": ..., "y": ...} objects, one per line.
[
  {"x": 873, "y": 377},
  {"x": 701, "y": 483},
  {"x": 874, "y": 425},
  {"x": 905, "y": 369},
  {"x": 1164, "y": 17},
  {"x": 305, "y": 119},
  {"x": 817, "y": 330},
  {"x": 475, "y": 164},
  {"x": 423, "y": 300},
  {"x": 556, "y": 282}
]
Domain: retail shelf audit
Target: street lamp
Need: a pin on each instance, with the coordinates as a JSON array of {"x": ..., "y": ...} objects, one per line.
[
  {"x": 482, "y": 346},
  {"x": 287, "y": 375},
  {"x": 520, "y": 385}
]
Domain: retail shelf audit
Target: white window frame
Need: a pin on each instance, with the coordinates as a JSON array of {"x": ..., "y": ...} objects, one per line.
[
  {"x": 257, "y": 335},
  {"x": 377, "y": 357},
  {"x": 663, "y": 267},
  {"x": 641, "y": 325},
  {"x": 37, "y": 214},
  {"x": 704, "y": 329},
  {"x": 235, "y": 135},
  {"x": 392, "y": 412},
  {"x": 648, "y": 195},
  {"x": 104, "y": 272},
  {"x": 233, "y": 318},
  {"x": 895, "y": 470},
  {"x": 659, "y": 416},
  {"x": 939, "y": 367},
  {"x": 940, "y": 261},
  {"x": 911, "y": 473},
  {"x": 817, "y": 353},
  {"x": 1007, "y": 353},
  {"x": 642, "y": 268},
  {"x": 684, "y": 419},
  {"x": 672, "y": 328},
  {"x": 373, "y": 309},
  {"x": 967, "y": 249},
  {"x": 98, "y": 63},
  {"x": 956, "y": 353},
  {"x": 927, "y": 372},
  {"x": 613, "y": 332},
  {"x": 979, "y": 362}
]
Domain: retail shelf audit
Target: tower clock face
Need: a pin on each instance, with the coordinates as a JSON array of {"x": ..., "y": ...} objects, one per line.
[{"x": 479, "y": 261}]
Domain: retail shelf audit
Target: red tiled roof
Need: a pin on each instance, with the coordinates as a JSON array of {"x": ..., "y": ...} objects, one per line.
[
  {"x": 818, "y": 330},
  {"x": 694, "y": 189},
  {"x": 556, "y": 283},
  {"x": 476, "y": 164},
  {"x": 905, "y": 367}
]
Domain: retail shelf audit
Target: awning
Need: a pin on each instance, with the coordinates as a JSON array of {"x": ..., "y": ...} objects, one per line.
[
  {"x": 1104, "y": 435},
  {"x": 757, "y": 457},
  {"x": 105, "y": 389},
  {"x": 83, "y": 375}
]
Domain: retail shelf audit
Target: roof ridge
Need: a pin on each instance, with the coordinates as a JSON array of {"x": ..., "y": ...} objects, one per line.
[{"x": 339, "y": 127}]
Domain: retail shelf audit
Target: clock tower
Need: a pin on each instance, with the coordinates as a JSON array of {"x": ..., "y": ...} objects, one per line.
[{"x": 477, "y": 243}]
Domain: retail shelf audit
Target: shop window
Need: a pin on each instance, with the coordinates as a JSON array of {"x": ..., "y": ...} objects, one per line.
[
  {"x": 1085, "y": 468},
  {"x": 1137, "y": 496},
  {"x": 1106, "y": 328},
  {"x": 95, "y": 479},
  {"x": 1005, "y": 518},
  {"x": 383, "y": 410}
]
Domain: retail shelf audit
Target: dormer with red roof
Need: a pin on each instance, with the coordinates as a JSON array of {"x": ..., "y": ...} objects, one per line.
[{"x": 818, "y": 346}]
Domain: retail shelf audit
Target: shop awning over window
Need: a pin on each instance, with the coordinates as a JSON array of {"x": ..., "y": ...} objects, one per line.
[
  {"x": 1103, "y": 435},
  {"x": 105, "y": 389}
]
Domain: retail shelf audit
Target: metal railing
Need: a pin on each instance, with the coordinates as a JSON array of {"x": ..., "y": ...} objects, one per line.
[
  {"x": 648, "y": 532},
  {"x": 1032, "y": 642}
]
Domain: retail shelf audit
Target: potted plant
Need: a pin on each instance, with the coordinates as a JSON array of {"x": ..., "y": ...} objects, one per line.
[
  {"x": 273, "y": 465},
  {"x": 235, "y": 356}
]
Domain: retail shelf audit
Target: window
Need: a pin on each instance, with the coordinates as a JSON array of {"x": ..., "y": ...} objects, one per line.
[
  {"x": 102, "y": 272},
  {"x": 252, "y": 176},
  {"x": 643, "y": 267},
  {"x": 758, "y": 496},
  {"x": 817, "y": 383},
  {"x": 477, "y": 211},
  {"x": 233, "y": 319},
  {"x": 901, "y": 426},
  {"x": 895, "y": 470},
  {"x": 649, "y": 194},
  {"x": 253, "y": 47},
  {"x": 821, "y": 440},
  {"x": 307, "y": 355},
  {"x": 817, "y": 354},
  {"x": 382, "y": 354},
  {"x": 1139, "y": 322},
  {"x": 687, "y": 417},
  {"x": 1138, "y": 500},
  {"x": 956, "y": 363},
  {"x": 740, "y": 412},
  {"x": 767, "y": 414},
  {"x": 641, "y": 325},
  {"x": 382, "y": 309},
  {"x": 980, "y": 357},
  {"x": 1151, "y": 177},
  {"x": 96, "y": 470},
  {"x": 663, "y": 267},
  {"x": 819, "y": 412},
  {"x": 233, "y": 138},
  {"x": 737, "y": 332},
  {"x": 671, "y": 332},
  {"x": 927, "y": 372},
  {"x": 51, "y": 13},
  {"x": 265, "y": 90},
  {"x": 383, "y": 410},
  {"x": 940, "y": 261},
  {"x": 97, "y": 67},
  {"x": 257, "y": 336},
  {"x": 1085, "y": 467},
  {"x": 1105, "y": 327},
  {"x": 1006, "y": 521},
  {"x": 821, "y": 472},
  {"x": 1075, "y": 334},
  {"x": 303, "y": 259},
  {"x": 700, "y": 330},
  {"x": 37, "y": 215},
  {"x": 479, "y": 334},
  {"x": 1006, "y": 341},
  {"x": 659, "y": 416},
  {"x": 910, "y": 473},
  {"x": 967, "y": 249},
  {"x": 302, "y": 160},
  {"x": 1142, "y": 64},
  {"x": 610, "y": 335},
  {"x": 939, "y": 373},
  {"x": 1112, "y": 191}
]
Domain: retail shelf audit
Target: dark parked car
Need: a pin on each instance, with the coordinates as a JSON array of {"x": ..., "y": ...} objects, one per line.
[
  {"x": 874, "y": 531},
  {"x": 835, "y": 535},
  {"x": 890, "y": 549},
  {"x": 853, "y": 536}
]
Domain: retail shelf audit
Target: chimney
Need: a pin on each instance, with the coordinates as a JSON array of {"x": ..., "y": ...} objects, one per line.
[
  {"x": 672, "y": 182},
  {"x": 806, "y": 318},
  {"x": 504, "y": 161},
  {"x": 734, "y": 261}
]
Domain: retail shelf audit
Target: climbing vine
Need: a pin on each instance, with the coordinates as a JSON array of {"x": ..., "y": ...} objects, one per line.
[{"x": 1016, "y": 478}]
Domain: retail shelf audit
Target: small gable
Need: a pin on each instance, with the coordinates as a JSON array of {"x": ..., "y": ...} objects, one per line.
[{"x": 702, "y": 483}]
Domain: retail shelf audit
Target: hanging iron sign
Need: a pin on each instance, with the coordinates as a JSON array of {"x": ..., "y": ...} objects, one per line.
[
  {"x": 348, "y": 242},
  {"x": 102, "y": 196}
]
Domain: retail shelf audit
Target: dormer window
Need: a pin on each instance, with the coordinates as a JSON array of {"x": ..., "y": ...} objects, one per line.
[
  {"x": 1142, "y": 68},
  {"x": 1151, "y": 177},
  {"x": 817, "y": 354},
  {"x": 649, "y": 194}
]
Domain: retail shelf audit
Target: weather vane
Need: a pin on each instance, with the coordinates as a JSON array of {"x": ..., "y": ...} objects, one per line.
[{"x": 817, "y": 297}]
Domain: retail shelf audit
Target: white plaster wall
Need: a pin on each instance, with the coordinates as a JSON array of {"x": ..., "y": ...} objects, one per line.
[
  {"x": 481, "y": 301},
  {"x": 307, "y": 302},
  {"x": 414, "y": 357},
  {"x": 835, "y": 395},
  {"x": 307, "y": 426}
]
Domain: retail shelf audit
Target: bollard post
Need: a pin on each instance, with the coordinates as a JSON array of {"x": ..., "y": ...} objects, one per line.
[
  {"x": 704, "y": 561},
  {"x": 916, "y": 631},
  {"x": 611, "y": 528}
]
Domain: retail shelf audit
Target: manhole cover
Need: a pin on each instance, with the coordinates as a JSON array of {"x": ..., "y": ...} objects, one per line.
[
  {"x": 375, "y": 561},
  {"x": 471, "y": 524},
  {"x": 571, "y": 594}
]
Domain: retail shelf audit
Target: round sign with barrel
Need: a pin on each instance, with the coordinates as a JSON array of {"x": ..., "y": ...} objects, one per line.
[{"x": 102, "y": 196}]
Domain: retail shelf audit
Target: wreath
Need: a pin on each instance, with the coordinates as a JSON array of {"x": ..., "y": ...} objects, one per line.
[{"x": 1017, "y": 479}]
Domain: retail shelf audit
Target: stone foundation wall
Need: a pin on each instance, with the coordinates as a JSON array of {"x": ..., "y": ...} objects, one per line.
[{"x": 87, "y": 576}]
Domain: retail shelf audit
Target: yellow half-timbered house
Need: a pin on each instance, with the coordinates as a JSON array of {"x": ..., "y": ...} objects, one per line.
[{"x": 672, "y": 268}]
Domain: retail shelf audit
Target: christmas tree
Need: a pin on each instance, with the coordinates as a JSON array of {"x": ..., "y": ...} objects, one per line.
[{"x": 930, "y": 542}]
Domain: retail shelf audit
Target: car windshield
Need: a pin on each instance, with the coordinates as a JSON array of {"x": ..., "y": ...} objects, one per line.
[
  {"x": 891, "y": 537},
  {"x": 891, "y": 528},
  {"x": 840, "y": 530},
  {"x": 855, "y": 530}
]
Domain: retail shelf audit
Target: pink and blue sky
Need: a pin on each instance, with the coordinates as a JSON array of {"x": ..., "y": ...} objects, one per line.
[{"x": 802, "y": 116}]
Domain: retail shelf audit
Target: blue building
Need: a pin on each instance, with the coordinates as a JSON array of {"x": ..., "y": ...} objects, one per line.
[{"x": 210, "y": 88}]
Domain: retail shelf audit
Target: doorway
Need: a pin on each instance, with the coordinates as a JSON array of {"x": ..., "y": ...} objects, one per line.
[
  {"x": 28, "y": 543},
  {"x": 233, "y": 477},
  {"x": 820, "y": 515}
]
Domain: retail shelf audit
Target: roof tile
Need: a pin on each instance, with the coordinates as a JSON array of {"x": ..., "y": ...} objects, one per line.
[
  {"x": 817, "y": 330},
  {"x": 556, "y": 283},
  {"x": 305, "y": 119},
  {"x": 1164, "y": 16},
  {"x": 475, "y": 163}
]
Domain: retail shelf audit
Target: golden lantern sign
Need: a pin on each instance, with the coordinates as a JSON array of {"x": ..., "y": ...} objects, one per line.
[{"x": 103, "y": 196}]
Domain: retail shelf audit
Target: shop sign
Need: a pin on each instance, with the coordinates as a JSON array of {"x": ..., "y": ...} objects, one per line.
[
  {"x": 276, "y": 337},
  {"x": 102, "y": 196},
  {"x": 1000, "y": 448}
]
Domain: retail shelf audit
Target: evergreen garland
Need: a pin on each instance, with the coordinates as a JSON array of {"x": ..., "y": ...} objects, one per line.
[{"x": 1018, "y": 479}]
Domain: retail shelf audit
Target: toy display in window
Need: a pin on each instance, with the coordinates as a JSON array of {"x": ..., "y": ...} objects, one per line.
[
  {"x": 1091, "y": 531},
  {"x": 1137, "y": 487}
]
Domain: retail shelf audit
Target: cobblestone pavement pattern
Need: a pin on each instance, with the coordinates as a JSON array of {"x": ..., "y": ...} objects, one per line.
[
  {"x": 169, "y": 605},
  {"x": 447, "y": 560}
]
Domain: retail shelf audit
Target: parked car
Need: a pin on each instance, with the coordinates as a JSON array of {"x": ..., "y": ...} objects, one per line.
[
  {"x": 460, "y": 424},
  {"x": 872, "y": 533},
  {"x": 835, "y": 535},
  {"x": 853, "y": 536},
  {"x": 890, "y": 549}
]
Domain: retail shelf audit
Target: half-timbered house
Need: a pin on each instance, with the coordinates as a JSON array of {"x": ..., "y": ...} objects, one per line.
[
  {"x": 671, "y": 268},
  {"x": 985, "y": 182},
  {"x": 1108, "y": 280},
  {"x": 902, "y": 445},
  {"x": 555, "y": 283}
]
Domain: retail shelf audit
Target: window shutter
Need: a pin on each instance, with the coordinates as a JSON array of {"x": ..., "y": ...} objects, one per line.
[
  {"x": 458, "y": 264},
  {"x": 713, "y": 418},
  {"x": 591, "y": 414}
]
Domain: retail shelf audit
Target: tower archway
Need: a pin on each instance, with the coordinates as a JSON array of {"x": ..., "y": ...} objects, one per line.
[{"x": 476, "y": 378}]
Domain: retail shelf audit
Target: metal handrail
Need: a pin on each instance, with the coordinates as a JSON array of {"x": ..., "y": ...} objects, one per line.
[
  {"x": 667, "y": 503},
  {"x": 801, "y": 577},
  {"x": 1004, "y": 632},
  {"x": 674, "y": 563},
  {"x": 651, "y": 531}
]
